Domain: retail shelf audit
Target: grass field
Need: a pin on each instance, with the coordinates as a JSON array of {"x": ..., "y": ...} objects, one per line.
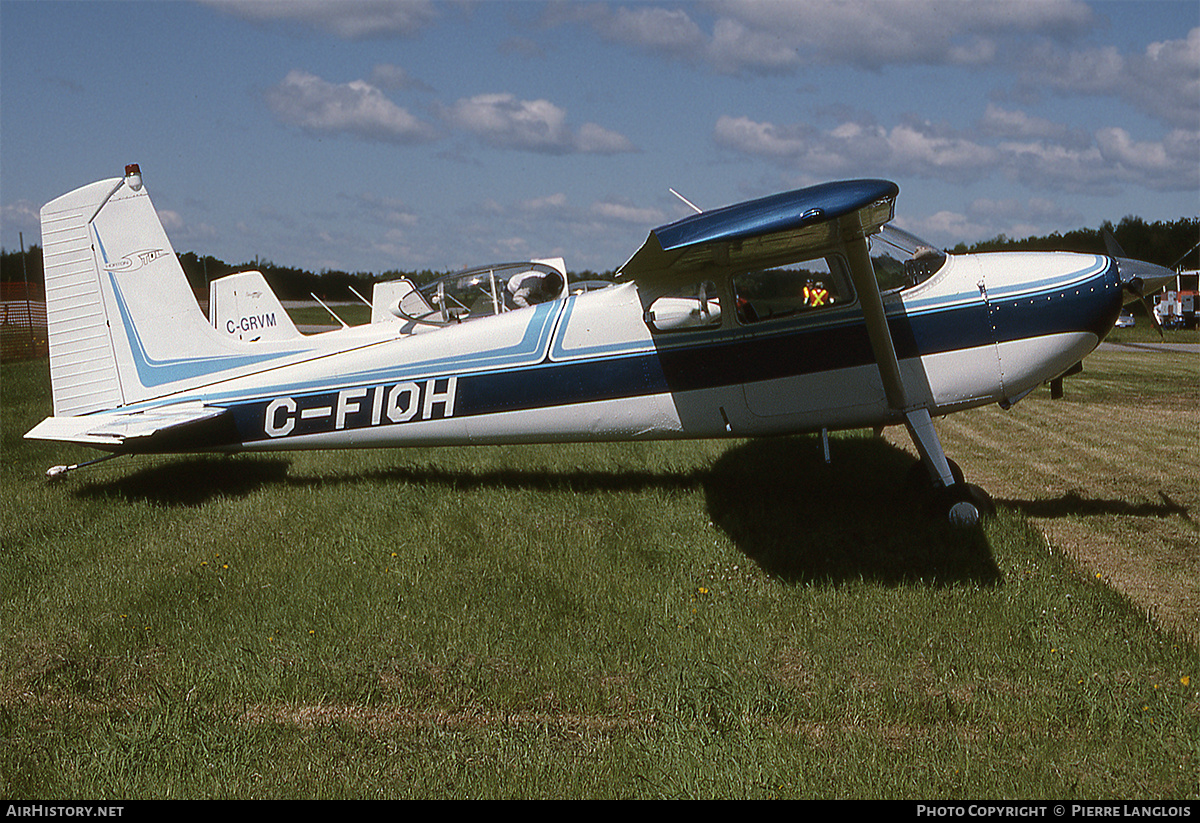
[
  {"x": 681, "y": 620},
  {"x": 1110, "y": 473}
]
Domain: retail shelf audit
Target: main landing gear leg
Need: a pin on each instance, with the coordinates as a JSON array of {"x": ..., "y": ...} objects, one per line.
[
  {"x": 963, "y": 503},
  {"x": 925, "y": 438}
]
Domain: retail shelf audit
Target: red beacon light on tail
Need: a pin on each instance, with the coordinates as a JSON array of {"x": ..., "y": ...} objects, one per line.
[{"x": 133, "y": 176}]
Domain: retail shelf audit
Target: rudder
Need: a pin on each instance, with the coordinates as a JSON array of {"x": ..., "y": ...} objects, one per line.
[{"x": 123, "y": 323}]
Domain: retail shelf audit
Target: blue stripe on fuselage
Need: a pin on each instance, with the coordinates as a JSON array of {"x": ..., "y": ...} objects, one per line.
[{"x": 725, "y": 358}]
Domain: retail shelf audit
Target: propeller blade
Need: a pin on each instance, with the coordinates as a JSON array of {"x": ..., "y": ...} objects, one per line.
[
  {"x": 1112, "y": 246},
  {"x": 1136, "y": 286}
]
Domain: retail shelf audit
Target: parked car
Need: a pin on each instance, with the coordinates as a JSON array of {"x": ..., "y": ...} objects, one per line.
[{"x": 1126, "y": 321}]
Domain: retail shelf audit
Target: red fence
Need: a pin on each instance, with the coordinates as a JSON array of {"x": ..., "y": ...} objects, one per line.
[{"x": 22, "y": 327}]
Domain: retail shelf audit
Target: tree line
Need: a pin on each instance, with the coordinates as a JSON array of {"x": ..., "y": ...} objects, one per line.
[{"x": 1172, "y": 244}]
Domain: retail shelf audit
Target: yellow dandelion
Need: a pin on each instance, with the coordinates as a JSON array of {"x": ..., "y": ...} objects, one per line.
[{"x": 1185, "y": 680}]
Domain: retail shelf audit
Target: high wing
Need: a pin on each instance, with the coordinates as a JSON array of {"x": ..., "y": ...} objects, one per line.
[
  {"x": 786, "y": 227},
  {"x": 763, "y": 232}
]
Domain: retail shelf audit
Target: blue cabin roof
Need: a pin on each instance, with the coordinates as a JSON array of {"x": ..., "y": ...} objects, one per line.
[{"x": 778, "y": 212}]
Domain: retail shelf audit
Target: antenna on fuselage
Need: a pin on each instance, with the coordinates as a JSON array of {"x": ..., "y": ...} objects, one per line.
[
  {"x": 345, "y": 325},
  {"x": 692, "y": 205}
]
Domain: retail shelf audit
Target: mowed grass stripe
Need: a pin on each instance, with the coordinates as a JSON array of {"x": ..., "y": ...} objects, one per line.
[{"x": 1109, "y": 473}]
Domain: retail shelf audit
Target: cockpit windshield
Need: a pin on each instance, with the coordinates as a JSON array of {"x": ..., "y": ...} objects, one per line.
[{"x": 902, "y": 260}]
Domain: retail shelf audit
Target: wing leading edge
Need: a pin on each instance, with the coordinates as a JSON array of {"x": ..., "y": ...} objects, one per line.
[{"x": 764, "y": 231}]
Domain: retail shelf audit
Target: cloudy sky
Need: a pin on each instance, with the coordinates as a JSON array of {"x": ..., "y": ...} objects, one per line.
[{"x": 381, "y": 135}]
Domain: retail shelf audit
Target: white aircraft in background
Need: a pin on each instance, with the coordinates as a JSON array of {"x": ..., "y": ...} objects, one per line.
[{"x": 799, "y": 312}]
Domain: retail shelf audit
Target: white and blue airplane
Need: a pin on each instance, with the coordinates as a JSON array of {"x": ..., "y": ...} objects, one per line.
[{"x": 799, "y": 312}]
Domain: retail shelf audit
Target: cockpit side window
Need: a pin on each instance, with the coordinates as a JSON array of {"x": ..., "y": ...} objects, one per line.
[
  {"x": 794, "y": 289},
  {"x": 901, "y": 260}
]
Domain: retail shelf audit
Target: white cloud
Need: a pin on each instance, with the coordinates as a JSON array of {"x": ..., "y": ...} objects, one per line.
[
  {"x": 1038, "y": 152},
  {"x": 763, "y": 139},
  {"x": 386, "y": 210},
  {"x": 773, "y": 37},
  {"x": 1163, "y": 81},
  {"x": 655, "y": 29},
  {"x": 986, "y": 218},
  {"x": 947, "y": 228},
  {"x": 735, "y": 45},
  {"x": 1016, "y": 124},
  {"x": 348, "y": 19},
  {"x": 917, "y": 149},
  {"x": 25, "y": 215},
  {"x": 531, "y": 125},
  {"x": 388, "y": 76},
  {"x": 1112, "y": 161},
  {"x": 551, "y": 202},
  {"x": 593, "y": 139},
  {"x": 625, "y": 213},
  {"x": 1173, "y": 163},
  {"x": 355, "y": 108},
  {"x": 171, "y": 220}
]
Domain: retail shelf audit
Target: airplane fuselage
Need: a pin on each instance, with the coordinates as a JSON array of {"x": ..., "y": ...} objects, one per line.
[{"x": 984, "y": 329}]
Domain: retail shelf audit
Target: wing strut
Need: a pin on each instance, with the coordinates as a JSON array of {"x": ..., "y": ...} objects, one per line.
[{"x": 916, "y": 419}]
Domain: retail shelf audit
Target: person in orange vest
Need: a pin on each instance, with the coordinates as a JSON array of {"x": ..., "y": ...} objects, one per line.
[{"x": 815, "y": 294}]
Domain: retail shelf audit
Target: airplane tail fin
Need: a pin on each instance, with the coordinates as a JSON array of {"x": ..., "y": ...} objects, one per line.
[
  {"x": 124, "y": 325},
  {"x": 245, "y": 308}
]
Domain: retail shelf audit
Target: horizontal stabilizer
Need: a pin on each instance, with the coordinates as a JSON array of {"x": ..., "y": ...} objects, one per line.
[{"x": 128, "y": 431}]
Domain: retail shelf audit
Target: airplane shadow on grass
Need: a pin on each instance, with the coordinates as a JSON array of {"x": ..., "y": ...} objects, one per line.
[
  {"x": 1074, "y": 504},
  {"x": 799, "y": 519},
  {"x": 857, "y": 518},
  {"x": 190, "y": 480}
]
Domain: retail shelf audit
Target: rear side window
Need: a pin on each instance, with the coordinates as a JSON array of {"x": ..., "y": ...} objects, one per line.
[
  {"x": 791, "y": 290},
  {"x": 688, "y": 308}
]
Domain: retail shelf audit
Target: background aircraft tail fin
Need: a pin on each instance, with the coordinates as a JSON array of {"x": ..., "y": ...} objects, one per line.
[
  {"x": 124, "y": 325},
  {"x": 243, "y": 307}
]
